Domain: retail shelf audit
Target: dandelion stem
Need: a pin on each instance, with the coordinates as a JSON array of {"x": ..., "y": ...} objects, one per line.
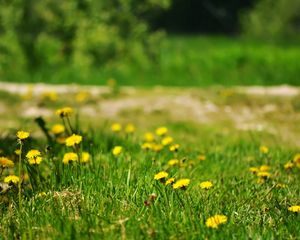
[{"x": 20, "y": 180}]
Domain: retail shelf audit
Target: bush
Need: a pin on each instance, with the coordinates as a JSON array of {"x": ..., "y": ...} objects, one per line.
[
  {"x": 79, "y": 33},
  {"x": 269, "y": 19}
]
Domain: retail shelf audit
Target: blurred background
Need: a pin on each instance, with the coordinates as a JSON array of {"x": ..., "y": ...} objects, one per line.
[{"x": 151, "y": 42}]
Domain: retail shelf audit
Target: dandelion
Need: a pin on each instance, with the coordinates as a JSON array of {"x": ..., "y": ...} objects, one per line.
[
  {"x": 42, "y": 194},
  {"x": 161, "y": 131},
  {"x": 130, "y": 128},
  {"x": 166, "y": 140},
  {"x": 288, "y": 165},
  {"x": 280, "y": 185},
  {"x": 35, "y": 160},
  {"x": 57, "y": 129},
  {"x": 161, "y": 175},
  {"x": 173, "y": 162},
  {"x": 33, "y": 156},
  {"x": 264, "y": 149},
  {"x": 12, "y": 178},
  {"x": 70, "y": 156},
  {"x": 170, "y": 181},
  {"x": 147, "y": 146},
  {"x": 181, "y": 183},
  {"x": 64, "y": 112},
  {"x": 81, "y": 97},
  {"x": 174, "y": 147},
  {"x": 215, "y": 221},
  {"x": 18, "y": 152},
  {"x": 5, "y": 162},
  {"x": 73, "y": 140},
  {"x": 85, "y": 157},
  {"x": 254, "y": 170},
  {"x": 201, "y": 157},
  {"x": 22, "y": 135},
  {"x": 116, "y": 127},
  {"x": 157, "y": 147},
  {"x": 297, "y": 159},
  {"x": 149, "y": 137},
  {"x": 206, "y": 185},
  {"x": 264, "y": 168},
  {"x": 33, "y": 153},
  {"x": 264, "y": 175},
  {"x": 52, "y": 96},
  {"x": 117, "y": 150},
  {"x": 295, "y": 209}
]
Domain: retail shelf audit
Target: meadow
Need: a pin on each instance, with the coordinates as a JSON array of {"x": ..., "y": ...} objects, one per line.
[
  {"x": 188, "y": 61},
  {"x": 170, "y": 163}
]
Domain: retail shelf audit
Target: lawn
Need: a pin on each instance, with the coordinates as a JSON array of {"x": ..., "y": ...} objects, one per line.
[
  {"x": 190, "y": 61},
  {"x": 243, "y": 146}
]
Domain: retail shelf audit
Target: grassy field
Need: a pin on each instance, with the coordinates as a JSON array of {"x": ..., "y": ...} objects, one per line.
[
  {"x": 191, "y": 61},
  {"x": 116, "y": 193}
]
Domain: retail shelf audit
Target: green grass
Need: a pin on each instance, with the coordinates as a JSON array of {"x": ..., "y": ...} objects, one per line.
[
  {"x": 105, "y": 198},
  {"x": 192, "y": 61}
]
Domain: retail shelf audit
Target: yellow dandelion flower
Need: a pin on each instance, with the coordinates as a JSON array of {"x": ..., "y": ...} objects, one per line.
[
  {"x": 295, "y": 209},
  {"x": 147, "y": 146},
  {"x": 166, "y": 140},
  {"x": 181, "y": 183},
  {"x": 288, "y": 165},
  {"x": 261, "y": 180},
  {"x": 129, "y": 128},
  {"x": 206, "y": 185},
  {"x": 117, "y": 150},
  {"x": 73, "y": 140},
  {"x": 264, "y": 149},
  {"x": 12, "y": 178},
  {"x": 201, "y": 157},
  {"x": 22, "y": 135},
  {"x": 33, "y": 153},
  {"x": 215, "y": 221},
  {"x": 70, "y": 156},
  {"x": 42, "y": 194},
  {"x": 51, "y": 96},
  {"x": 280, "y": 185},
  {"x": 34, "y": 157},
  {"x": 264, "y": 168},
  {"x": 161, "y": 175},
  {"x": 173, "y": 162},
  {"x": 157, "y": 147},
  {"x": 81, "y": 97},
  {"x": 297, "y": 160},
  {"x": 161, "y": 131},
  {"x": 170, "y": 181},
  {"x": 85, "y": 157},
  {"x": 35, "y": 160},
  {"x": 57, "y": 129},
  {"x": 5, "y": 162},
  {"x": 116, "y": 127},
  {"x": 264, "y": 174},
  {"x": 64, "y": 112},
  {"x": 174, "y": 147},
  {"x": 18, "y": 152},
  {"x": 254, "y": 170},
  {"x": 149, "y": 137}
]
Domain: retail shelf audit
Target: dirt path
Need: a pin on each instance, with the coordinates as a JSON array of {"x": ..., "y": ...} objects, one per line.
[{"x": 272, "y": 109}]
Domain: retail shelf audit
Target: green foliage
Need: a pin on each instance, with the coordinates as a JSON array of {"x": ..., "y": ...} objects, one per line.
[
  {"x": 271, "y": 19},
  {"x": 50, "y": 34},
  {"x": 194, "y": 61}
]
